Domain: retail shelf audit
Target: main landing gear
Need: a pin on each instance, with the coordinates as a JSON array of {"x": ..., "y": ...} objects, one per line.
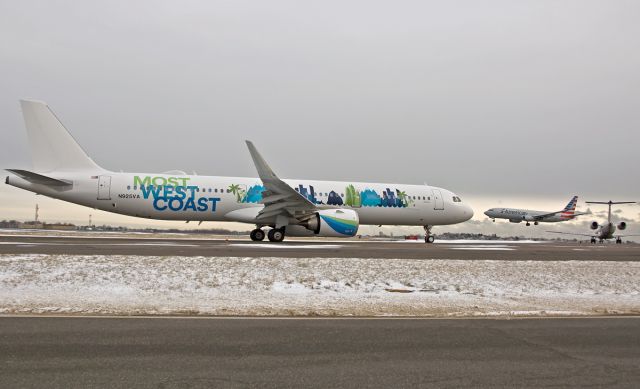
[
  {"x": 428, "y": 238},
  {"x": 257, "y": 235},
  {"x": 618, "y": 240},
  {"x": 274, "y": 235}
]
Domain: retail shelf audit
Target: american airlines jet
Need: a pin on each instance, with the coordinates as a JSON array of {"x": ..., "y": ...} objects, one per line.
[
  {"x": 62, "y": 170},
  {"x": 518, "y": 215}
]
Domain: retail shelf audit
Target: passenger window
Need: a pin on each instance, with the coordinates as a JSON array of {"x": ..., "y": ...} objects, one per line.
[{"x": 128, "y": 187}]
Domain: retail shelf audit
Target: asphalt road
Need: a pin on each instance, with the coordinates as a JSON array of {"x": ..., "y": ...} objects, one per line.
[
  {"x": 150, "y": 245},
  {"x": 58, "y": 352}
]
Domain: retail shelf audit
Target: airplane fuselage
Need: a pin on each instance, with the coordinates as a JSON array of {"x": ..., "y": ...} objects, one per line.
[
  {"x": 517, "y": 215},
  {"x": 214, "y": 198},
  {"x": 605, "y": 231}
]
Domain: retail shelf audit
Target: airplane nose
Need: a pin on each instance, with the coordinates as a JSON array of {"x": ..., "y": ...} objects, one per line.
[
  {"x": 467, "y": 213},
  {"x": 486, "y": 213}
]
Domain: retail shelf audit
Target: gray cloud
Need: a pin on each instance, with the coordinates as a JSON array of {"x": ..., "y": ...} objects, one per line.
[{"x": 500, "y": 98}]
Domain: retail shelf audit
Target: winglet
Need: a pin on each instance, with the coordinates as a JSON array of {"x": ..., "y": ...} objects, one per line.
[
  {"x": 264, "y": 171},
  {"x": 276, "y": 186}
]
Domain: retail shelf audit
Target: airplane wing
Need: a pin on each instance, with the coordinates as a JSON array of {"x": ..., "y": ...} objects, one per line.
[
  {"x": 281, "y": 200},
  {"x": 540, "y": 217}
]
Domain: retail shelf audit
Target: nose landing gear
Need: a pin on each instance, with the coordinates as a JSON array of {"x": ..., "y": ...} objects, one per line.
[{"x": 428, "y": 237}]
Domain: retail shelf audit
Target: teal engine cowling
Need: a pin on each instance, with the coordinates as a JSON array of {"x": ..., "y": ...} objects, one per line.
[{"x": 334, "y": 222}]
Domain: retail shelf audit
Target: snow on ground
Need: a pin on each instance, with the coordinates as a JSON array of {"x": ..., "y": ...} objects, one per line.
[{"x": 127, "y": 285}]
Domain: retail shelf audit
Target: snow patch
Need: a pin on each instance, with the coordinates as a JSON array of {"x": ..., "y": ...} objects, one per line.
[
  {"x": 287, "y": 246},
  {"x": 115, "y": 284}
]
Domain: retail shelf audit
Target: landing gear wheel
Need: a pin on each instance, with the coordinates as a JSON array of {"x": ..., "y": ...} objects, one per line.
[
  {"x": 276, "y": 234},
  {"x": 535, "y": 223},
  {"x": 257, "y": 235},
  {"x": 428, "y": 238},
  {"x": 528, "y": 224},
  {"x": 619, "y": 241},
  {"x": 593, "y": 240}
]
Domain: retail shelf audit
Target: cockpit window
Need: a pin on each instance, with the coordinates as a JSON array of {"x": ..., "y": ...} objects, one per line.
[{"x": 456, "y": 199}]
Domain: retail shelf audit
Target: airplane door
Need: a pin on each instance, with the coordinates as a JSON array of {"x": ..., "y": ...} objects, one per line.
[
  {"x": 438, "y": 204},
  {"x": 104, "y": 188}
]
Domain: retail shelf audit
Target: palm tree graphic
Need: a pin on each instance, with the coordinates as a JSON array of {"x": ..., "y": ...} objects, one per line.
[
  {"x": 403, "y": 197},
  {"x": 237, "y": 190}
]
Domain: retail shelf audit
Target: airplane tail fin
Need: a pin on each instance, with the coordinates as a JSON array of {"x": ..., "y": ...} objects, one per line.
[
  {"x": 570, "y": 209},
  {"x": 52, "y": 146}
]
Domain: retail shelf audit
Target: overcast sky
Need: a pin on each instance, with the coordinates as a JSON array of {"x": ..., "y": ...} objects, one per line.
[{"x": 503, "y": 102}]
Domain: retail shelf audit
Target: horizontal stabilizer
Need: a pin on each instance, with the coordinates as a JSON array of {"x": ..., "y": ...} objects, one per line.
[
  {"x": 36, "y": 178},
  {"x": 610, "y": 202}
]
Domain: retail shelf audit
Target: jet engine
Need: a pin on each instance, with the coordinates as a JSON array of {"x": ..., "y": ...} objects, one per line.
[
  {"x": 333, "y": 222},
  {"x": 622, "y": 226},
  {"x": 594, "y": 225}
]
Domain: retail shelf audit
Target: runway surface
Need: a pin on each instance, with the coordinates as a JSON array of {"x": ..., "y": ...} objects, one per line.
[
  {"x": 59, "y": 352},
  {"x": 148, "y": 245}
]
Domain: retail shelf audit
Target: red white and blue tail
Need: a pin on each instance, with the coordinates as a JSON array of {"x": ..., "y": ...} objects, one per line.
[{"x": 569, "y": 212}]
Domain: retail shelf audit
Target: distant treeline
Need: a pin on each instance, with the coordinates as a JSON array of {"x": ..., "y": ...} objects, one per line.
[{"x": 213, "y": 231}]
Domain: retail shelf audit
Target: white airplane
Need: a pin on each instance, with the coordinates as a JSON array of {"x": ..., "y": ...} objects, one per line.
[
  {"x": 518, "y": 215},
  {"x": 606, "y": 230},
  {"x": 62, "y": 170}
]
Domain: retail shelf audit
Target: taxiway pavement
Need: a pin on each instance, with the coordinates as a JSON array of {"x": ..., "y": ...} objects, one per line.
[
  {"x": 148, "y": 245},
  {"x": 87, "y": 352}
]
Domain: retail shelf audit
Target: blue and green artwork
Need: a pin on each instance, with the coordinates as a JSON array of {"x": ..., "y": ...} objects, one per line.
[
  {"x": 254, "y": 194},
  {"x": 370, "y": 198},
  {"x": 352, "y": 198},
  {"x": 334, "y": 199},
  {"x": 309, "y": 194}
]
